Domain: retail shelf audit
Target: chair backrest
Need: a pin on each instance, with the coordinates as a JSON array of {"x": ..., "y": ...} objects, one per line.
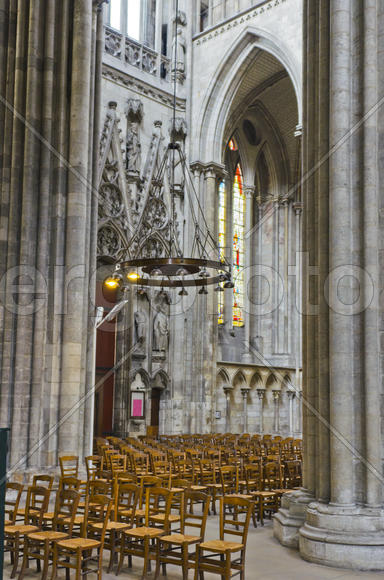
[
  {"x": 192, "y": 521},
  {"x": 272, "y": 475},
  {"x": 43, "y": 480},
  {"x": 69, "y": 482},
  {"x": 67, "y": 501},
  {"x": 231, "y": 521},
  {"x": 97, "y": 511},
  {"x": 229, "y": 478},
  {"x": 118, "y": 463},
  {"x": 69, "y": 465},
  {"x": 36, "y": 505},
  {"x": 146, "y": 482},
  {"x": 253, "y": 476},
  {"x": 126, "y": 498},
  {"x": 207, "y": 471},
  {"x": 12, "y": 499},
  {"x": 97, "y": 487},
  {"x": 158, "y": 500},
  {"x": 93, "y": 464}
]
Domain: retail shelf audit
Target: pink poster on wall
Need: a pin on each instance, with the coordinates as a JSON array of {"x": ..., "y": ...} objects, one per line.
[{"x": 137, "y": 405}]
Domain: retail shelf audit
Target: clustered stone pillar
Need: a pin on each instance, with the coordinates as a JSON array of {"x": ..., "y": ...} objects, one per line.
[
  {"x": 49, "y": 78},
  {"x": 337, "y": 519}
]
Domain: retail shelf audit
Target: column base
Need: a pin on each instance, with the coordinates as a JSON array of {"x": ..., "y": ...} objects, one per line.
[
  {"x": 344, "y": 537},
  {"x": 290, "y": 517}
]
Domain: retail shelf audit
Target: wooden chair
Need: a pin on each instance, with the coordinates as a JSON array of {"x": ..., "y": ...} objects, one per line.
[
  {"x": 229, "y": 478},
  {"x": 137, "y": 541},
  {"x": 40, "y": 480},
  {"x": 77, "y": 553},
  {"x": 220, "y": 559},
  {"x": 13, "y": 493},
  {"x": 174, "y": 548},
  {"x": 39, "y": 545},
  {"x": 208, "y": 479},
  {"x": 272, "y": 477},
  {"x": 126, "y": 499},
  {"x": 14, "y": 534},
  {"x": 292, "y": 474}
]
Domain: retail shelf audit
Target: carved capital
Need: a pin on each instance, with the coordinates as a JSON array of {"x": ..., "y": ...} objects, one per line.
[
  {"x": 261, "y": 393},
  {"x": 249, "y": 191},
  {"x": 298, "y": 207},
  {"x": 276, "y": 395},
  {"x": 214, "y": 170},
  {"x": 134, "y": 110},
  {"x": 179, "y": 133},
  {"x": 197, "y": 167}
]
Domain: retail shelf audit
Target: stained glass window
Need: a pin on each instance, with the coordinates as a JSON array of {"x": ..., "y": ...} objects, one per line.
[
  {"x": 232, "y": 145},
  {"x": 238, "y": 221},
  {"x": 222, "y": 231}
]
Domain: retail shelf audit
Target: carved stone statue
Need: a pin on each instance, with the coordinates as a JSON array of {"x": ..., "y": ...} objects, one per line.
[
  {"x": 178, "y": 55},
  {"x": 140, "y": 327},
  {"x": 133, "y": 149},
  {"x": 160, "y": 331}
]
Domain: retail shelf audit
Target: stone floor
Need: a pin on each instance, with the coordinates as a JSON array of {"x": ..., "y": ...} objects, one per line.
[{"x": 266, "y": 560}]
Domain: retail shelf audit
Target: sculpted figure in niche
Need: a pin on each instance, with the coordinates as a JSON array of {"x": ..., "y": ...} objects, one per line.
[
  {"x": 133, "y": 149},
  {"x": 160, "y": 331},
  {"x": 178, "y": 53},
  {"x": 140, "y": 327}
]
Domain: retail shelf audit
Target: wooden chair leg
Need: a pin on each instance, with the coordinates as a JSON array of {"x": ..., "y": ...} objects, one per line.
[
  {"x": 121, "y": 558},
  {"x": 25, "y": 559},
  {"x": 227, "y": 574},
  {"x": 158, "y": 551},
  {"x": 54, "y": 562},
  {"x": 46, "y": 560},
  {"x": 78, "y": 564},
  {"x": 16, "y": 547},
  {"x": 112, "y": 540},
  {"x": 146, "y": 556},
  {"x": 184, "y": 550},
  {"x": 197, "y": 562},
  {"x": 100, "y": 564}
]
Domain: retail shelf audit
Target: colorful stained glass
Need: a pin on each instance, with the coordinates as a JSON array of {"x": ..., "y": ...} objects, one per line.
[
  {"x": 232, "y": 145},
  {"x": 238, "y": 225},
  {"x": 222, "y": 230}
]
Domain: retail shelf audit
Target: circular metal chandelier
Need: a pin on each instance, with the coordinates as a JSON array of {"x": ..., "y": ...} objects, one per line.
[{"x": 206, "y": 265}]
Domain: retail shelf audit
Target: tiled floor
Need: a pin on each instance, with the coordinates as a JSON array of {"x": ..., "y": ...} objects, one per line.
[{"x": 266, "y": 560}]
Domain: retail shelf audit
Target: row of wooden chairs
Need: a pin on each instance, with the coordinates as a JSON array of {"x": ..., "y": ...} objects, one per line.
[{"x": 131, "y": 531}]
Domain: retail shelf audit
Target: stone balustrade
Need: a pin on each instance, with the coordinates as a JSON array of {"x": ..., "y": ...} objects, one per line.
[{"x": 136, "y": 54}]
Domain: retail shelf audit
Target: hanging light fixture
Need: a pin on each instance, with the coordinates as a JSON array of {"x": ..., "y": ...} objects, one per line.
[{"x": 206, "y": 264}]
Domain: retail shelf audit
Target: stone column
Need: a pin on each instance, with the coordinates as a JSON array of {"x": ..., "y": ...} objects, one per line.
[
  {"x": 291, "y": 397},
  {"x": 342, "y": 382},
  {"x": 261, "y": 395},
  {"x": 47, "y": 200},
  {"x": 227, "y": 390},
  {"x": 244, "y": 394},
  {"x": 276, "y": 410}
]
